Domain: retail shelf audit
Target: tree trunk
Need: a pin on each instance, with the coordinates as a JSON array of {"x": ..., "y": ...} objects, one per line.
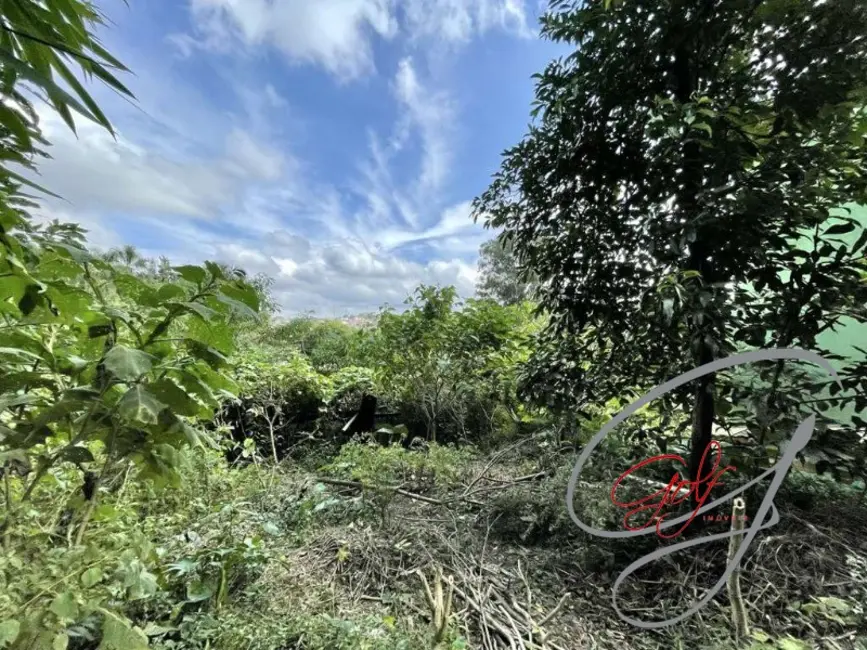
[
  {"x": 702, "y": 424},
  {"x": 686, "y": 74}
]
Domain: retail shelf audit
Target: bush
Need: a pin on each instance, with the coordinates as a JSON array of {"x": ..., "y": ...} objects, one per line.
[
  {"x": 348, "y": 385},
  {"x": 419, "y": 469},
  {"x": 279, "y": 405},
  {"x": 328, "y": 344}
]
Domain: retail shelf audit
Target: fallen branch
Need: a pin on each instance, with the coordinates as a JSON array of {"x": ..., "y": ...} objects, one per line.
[
  {"x": 491, "y": 462},
  {"x": 411, "y": 495}
]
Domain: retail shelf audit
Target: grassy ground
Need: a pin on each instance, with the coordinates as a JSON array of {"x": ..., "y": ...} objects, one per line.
[{"x": 346, "y": 565}]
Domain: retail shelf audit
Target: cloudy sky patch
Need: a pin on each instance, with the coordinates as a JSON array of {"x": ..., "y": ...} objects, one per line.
[{"x": 335, "y": 145}]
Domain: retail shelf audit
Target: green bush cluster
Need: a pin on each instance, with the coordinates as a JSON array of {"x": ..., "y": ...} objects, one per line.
[{"x": 445, "y": 370}]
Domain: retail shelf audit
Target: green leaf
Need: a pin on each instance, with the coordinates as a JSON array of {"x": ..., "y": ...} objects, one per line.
[
  {"x": 177, "y": 399},
  {"x": 271, "y": 528},
  {"x": 837, "y": 604},
  {"x": 26, "y": 181},
  {"x": 77, "y": 253},
  {"x": 215, "y": 270},
  {"x": 206, "y": 353},
  {"x": 127, "y": 364},
  {"x": 60, "y": 98},
  {"x": 91, "y": 577},
  {"x": 119, "y": 634},
  {"x": 196, "y": 308},
  {"x": 703, "y": 126},
  {"x": 237, "y": 306},
  {"x": 840, "y": 229},
  {"x": 64, "y": 606},
  {"x": 25, "y": 355},
  {"x": 789, "y": 643},
  {"x": 152, "y": 629},
  {"x": 243, "y": 293},
  {"x": 139, "y": 405},
  {"x": 61, "y": 642},
  {"x": 16, "y": 400},
  {"x": 76, "y": 455},
  {"x": 759, "y": 635},
  {"x": 9, "y": 632},
  {"x": 194, "y": 274},
  {"x": 170, "y": 292},
  {"x": 198, "y": 591}
]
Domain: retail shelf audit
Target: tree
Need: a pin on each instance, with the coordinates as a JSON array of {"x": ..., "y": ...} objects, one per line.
[
  {"x": 126, "y": 256},
  {"x": 678, "y": 197},
  {"x": 500, "y": 278},
  {"x": 38, "y": 41},
  {"x": 94, "y": 359}
]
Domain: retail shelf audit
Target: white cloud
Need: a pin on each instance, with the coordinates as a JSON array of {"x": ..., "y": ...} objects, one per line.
[
  {"x": 428, "y": 116},
  {"x": 459, "y": 20},
  {"x": 337, "y": 34},
  {"x": 432, "y": 113},
  {"x": 95, "y": 172},
  {"x": 455, "y": 229},
  {"x": 253, "y": 158},
  {"x": 349, "y": 276},
  {"x": 331, "y": 33}
]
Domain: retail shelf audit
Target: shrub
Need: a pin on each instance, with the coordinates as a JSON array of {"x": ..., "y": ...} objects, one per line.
[{"x": 279, "y": 405}]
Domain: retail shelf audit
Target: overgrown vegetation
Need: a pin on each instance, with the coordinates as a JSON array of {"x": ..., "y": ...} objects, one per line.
[{"x": 182, "y": 469}]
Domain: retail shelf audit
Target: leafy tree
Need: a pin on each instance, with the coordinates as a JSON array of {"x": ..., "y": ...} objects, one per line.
[
  {"x": 500, "y": 277},
  {"x": 38, "y": 42},
  {"x": 100, "y": 369},
  {"x": 328, "y": 343},
  {"x": 455, "y": 362},
  {"x": 680, "y": 156}
]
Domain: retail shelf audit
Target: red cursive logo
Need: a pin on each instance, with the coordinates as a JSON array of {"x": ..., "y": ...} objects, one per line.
[{"x": 671, "y": 493}]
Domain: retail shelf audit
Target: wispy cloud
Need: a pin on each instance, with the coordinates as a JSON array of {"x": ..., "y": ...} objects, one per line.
[
  {"x": 212, "y": 162},
  {"x": 330, "y": 33}
]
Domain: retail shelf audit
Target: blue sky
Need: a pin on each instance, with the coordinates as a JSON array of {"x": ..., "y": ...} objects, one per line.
[{"x": 333, "y": 144}]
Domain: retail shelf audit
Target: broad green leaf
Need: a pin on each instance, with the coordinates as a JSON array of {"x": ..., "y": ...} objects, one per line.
[
  {"x": 91, "y": 577},
  {"x": 244, "y": 293},
  {"x": 77, "y": 253},
  {"x": 194, "y": 385},
  {"x": 198, "y": 591},
  {"x": 152, "y": 629},
  {"x": 76, "y": 455},
  {"x": 24, "y": 355},
  {"x": 214, "y": 358},
  {"x": 194, "y": 274},
  {"x": 64, "y": 606},
  {"x": 7, "y": 401},
  {"x": 237, "y": 306},
  {"x": 119, "y": 634},
  {"x": 9, "y": 632},
  {"x": 61, "y": 642},
  {"x": 175, "y": 397},
  {"x": 139, "y": 405},
  {"x": 215, "y": 270},
  {"x": 127, "y": 364},
  {"x": 271, "y": 528},
  {"x": 841, "y": 228},
  {"x": 196, "y": 308},
  {"x": 170, "y": 292}
]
